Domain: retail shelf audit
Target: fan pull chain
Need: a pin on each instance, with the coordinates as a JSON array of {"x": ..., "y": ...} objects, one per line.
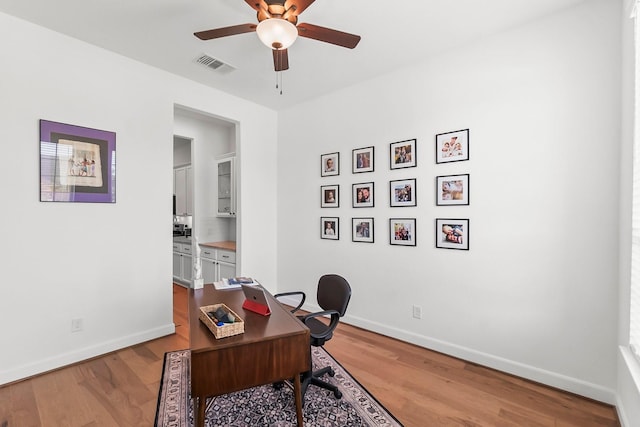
[{"x": 279, "y": 81}]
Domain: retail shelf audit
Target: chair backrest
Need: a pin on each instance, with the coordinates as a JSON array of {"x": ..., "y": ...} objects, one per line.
[{"x": 334, "y": 293}]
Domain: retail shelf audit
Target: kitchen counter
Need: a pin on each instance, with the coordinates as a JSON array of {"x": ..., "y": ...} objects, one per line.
[
  {"x": 227, "y": 245},
  {"x": 182, "y": 239}
]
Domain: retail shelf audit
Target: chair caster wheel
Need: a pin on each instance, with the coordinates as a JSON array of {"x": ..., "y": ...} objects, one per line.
[
  {"x": 337, "y": 394},
  {"x": 332, "y": 373},
  {"x": 278, "y": 385}
]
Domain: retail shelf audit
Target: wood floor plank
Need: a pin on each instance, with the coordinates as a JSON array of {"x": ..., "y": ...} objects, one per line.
[
  {"x": 419, "y": 386},
  {"x": 18, "y": 404},
  {"x": 115, "y": 394},
  {"x": 57, "y": 399}
]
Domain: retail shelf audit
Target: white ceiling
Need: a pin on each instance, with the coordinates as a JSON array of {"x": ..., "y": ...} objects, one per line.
[{"x": 394, "y": 34}]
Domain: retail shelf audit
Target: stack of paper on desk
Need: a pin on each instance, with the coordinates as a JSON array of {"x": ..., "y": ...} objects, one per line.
[
  {"x": 241, "y": 281},
  {"x": 234, "y": 282}
]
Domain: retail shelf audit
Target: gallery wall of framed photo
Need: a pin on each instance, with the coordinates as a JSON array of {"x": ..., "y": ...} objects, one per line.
[{"x": 399, "y": 185}]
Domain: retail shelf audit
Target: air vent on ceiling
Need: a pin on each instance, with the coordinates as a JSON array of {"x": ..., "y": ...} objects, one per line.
[{"x": 214, "y": 64}]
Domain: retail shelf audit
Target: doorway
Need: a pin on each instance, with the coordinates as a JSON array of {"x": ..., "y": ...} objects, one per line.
[{"x": 200, "y": 142}]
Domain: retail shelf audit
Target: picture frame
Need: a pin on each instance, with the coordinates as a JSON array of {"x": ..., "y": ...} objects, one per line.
[
  {"x": 363, "y": 159},
  {"x": 452, "y": 190},
  {"x": 330, "y": 164},
  {"x": 403, "y": 154},
  {"x": 402, "y": 192},
  {"x": 362, "y": 230},
  {"x": 452, "y": 146},
  {"x": 402, "y": 231},
  {"x": 330, "y": 228},
  {"x": 329, "y": 196},
  {"x": 363, "y": 195},
  {"x": 452, "y": 233},
  {"x": 77, "y": 164}
]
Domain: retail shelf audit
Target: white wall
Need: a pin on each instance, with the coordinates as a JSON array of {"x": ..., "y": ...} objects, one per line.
[
  {"x": 536, "y": 293},
  {"x": 109, "y": 264}
]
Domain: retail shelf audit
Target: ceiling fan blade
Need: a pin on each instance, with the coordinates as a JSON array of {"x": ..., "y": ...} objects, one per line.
[
  {"x": 226, "y": 31},
  {"x": 280, "y": 60},
  {"x": 300, "y": 5},
  {"x": 328, "y": 35},
  {"x": 256, "y": 4},
  {"x": 261, "y": 7}
]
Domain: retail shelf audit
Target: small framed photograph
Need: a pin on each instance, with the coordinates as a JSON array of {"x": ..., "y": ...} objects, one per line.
[
  {"x": 362, "y": 230},
  {"x": 402, "y": 231},
  {"x": 403, "y": 154},
  {"x": 330, "y": 164},
  {"x": 329, "y": 228},
  {"x": 452, "y": 233},
  {"x": 452, "y": 190},
  {"x": 363, "y": 160},
  {"x": 329, "y": 196},
  {"x": 363, "y": 195},
  {"x": 403, "y": 192},
  {"x": 452, "y": 146}
]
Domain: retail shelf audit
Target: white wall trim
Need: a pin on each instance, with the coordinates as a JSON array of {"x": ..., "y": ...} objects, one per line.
[
  {"x": 552, "y": 379},
  {"x": 628, "y": 385},
  {"x": 38, "y": 367},
  {"x": 629, "y": 6}
]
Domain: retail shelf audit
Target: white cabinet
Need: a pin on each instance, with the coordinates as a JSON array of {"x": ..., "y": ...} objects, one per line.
[
  {"x": 226, "y": 271},
  {"x": 182, "y": 263},
  {"x": 208, "y": 260},
  {"x": 187, "y": 268},
  {"x": 226, "y": 264},
  {"x": 177, "y": 262},
  {"x": 183, "y": 189},
  {"x": 226, "y": 194},
  {"x": 217, "y": 264}
]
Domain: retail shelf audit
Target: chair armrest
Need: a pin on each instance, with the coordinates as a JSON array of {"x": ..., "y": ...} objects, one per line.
[
  {"x": 300, "y": 293},
  {"x": 333, "y": 323}
]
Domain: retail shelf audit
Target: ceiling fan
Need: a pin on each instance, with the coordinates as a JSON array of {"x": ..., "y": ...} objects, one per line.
[{"x": 278, "y": 28}]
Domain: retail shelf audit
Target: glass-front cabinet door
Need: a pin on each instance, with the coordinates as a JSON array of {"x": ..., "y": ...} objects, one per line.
[{"x": 226, "y": 187}]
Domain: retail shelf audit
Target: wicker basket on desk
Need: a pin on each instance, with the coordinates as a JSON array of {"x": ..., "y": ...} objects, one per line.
[{"x": 228, "y": 329}]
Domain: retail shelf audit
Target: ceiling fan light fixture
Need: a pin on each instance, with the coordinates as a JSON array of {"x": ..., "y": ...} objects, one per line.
[{"x": 277, "y": 33}]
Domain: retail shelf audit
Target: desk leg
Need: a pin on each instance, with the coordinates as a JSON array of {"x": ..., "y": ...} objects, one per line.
[
  {"x": 297, "y": 391},
  {"x": 199, "y": 410}
]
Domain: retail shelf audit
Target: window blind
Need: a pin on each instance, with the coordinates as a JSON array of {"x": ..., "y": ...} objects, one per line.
[{"x": 634, "y": 322}]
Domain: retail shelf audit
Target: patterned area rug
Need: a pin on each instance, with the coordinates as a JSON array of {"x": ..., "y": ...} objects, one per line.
[{"x": 268, "y": 407}]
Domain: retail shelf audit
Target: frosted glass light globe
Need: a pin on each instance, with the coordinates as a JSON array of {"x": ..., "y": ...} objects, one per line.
[{"x": 277, "y": 33}]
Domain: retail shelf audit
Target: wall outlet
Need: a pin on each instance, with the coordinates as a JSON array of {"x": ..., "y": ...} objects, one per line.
[
  {"x": 76, "y": 325},
  {"x": 417, "y": 312}
]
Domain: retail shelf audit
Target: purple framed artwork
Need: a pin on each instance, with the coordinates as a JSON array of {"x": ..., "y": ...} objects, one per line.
[{"x": 77, "y": 164}]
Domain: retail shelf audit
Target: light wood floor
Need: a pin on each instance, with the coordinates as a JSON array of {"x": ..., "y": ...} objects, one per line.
[{"x": 420, "y": 387}]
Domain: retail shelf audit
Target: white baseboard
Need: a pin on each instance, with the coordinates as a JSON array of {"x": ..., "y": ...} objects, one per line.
[
  {"x": 628, "y": 400},
  {"x": 553, "y": 379},
  {"x": 77, "y": 355}
]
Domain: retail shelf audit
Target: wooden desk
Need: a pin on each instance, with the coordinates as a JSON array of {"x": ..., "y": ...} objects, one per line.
[{"x": 271, "y": 349}]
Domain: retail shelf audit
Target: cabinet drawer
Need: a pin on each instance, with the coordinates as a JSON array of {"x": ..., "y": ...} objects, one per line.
[
  {"x": 186, "y": 248},
  {"x": 176, "y": 247},
  {"x": 208, "y": 253},
  {"x": 227, "y": 256}
]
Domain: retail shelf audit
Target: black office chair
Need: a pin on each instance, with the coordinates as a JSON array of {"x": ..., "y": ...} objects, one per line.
[{"x": 333, "y": 297}]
